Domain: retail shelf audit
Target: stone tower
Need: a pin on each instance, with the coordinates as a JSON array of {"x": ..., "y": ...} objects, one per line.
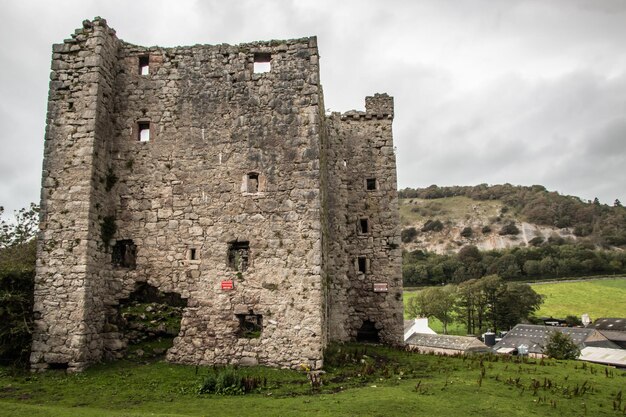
[{"x": 212, "y": 172}]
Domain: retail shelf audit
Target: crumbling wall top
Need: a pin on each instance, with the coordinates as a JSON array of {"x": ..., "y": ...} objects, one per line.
[{"x": 379, "y": 106}]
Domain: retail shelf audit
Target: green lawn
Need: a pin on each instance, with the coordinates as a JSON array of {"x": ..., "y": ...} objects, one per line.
[
  {"x": 601, "y": 298},
  {"x": 360, "y": 381}
]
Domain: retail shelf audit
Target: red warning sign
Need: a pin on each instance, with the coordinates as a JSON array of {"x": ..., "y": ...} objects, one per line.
[{"x": 227, "y": 285}]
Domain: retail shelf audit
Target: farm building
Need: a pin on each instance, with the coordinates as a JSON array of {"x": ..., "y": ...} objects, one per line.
[
  {"x": 613, "y": 329},
  {"x": 445, "y": 344},
  {"x": 536, "y": 337},
  {"x": 418, "y": 325},
  {"x": 605, "y": 356}
]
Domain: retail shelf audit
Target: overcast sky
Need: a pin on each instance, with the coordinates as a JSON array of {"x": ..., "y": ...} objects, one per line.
[{"x": 525, "y": 92}]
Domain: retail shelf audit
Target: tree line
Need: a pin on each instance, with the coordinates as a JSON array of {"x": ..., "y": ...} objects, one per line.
[
  {"x": 481, "y": 304},
  {"x": 420, "y": 268}
]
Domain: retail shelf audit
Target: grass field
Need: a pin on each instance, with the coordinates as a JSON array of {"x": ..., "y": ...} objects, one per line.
[
  {"x": 598, "y": 298},
  {"x": 360, "y": 381},
  {"x": 417, "y": 210},
  {"x": 601, "y": 298}
]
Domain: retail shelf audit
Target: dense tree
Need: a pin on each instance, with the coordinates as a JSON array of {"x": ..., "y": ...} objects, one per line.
[
  {"x": 517, "y": 303},
  {"x": 561, "y": 346},
  {"x": 490, "y": 302},
  {"x": 17, "y": 271}
]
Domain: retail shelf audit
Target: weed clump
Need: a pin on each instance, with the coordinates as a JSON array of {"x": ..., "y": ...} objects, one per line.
[{"x": 229, "y": 381}]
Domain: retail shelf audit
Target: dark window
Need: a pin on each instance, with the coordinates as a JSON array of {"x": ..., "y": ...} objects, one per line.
[
  {"x": 238, "y": 255},
  {"x": 58, "y": 365},
  {"x": 362, "y": 264},
  {"x": 143, "y": 129},
  {"x": 262, "y": 62},
  {"x": 144, "y": 65},
  {"x": 250, "y": 325},
  {"x": 124, "y": 254},
  {"x": 253, "y": 183},
  {"x": 192, "y": 254},
  {"x": 370, "y": 184},
  {"x": 368, "y": 332},
  {"x": 364, "y": 226}
]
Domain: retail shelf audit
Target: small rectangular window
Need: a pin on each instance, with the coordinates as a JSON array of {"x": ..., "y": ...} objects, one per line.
[
  {"x": 362, "y": 264},
  {"x": 238, "y": 255},
  {"x": 192, "y": 254},
  {"x": 144, "y": 65},
  {"x": 253, "y": 182},
  {"x": 370, "y": 184},
  {"x": 143, "y": 129},
  {"x": 364, "y": 226},
  {"x": 124, "y": 254},
  {"x": 262, "y": 62},
  {"x": 250, "y": 325}
]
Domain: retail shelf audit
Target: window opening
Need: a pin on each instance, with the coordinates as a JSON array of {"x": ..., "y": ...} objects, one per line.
[
  {"x": 362, "y": 263},
  {"x": 58, "y": 366},
  {"x": 250, "y": 325},
  {"x": 144, "y": 131},
  {"x": 262, "y": 62},
  {"x": 253, "y": 182},
  {"x": 370, "y": 184},
  {"x": 124, "y": 254},
  {"x": 368, "y": 332},
  {"x": 144, "y": 65},
  {"x": 192, "y": 254},
  {"x": 364, "y": 226},
  {"x": 238, "y": 255}
]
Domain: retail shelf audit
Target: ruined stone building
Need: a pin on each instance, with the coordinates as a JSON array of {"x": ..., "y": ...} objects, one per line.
[{"x": 212, "y": 172}]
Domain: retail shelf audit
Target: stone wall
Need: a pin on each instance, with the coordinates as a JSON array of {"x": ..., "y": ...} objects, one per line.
[
  {"x": 190, "y": 169},
  {"x": 365, "y": 245}
]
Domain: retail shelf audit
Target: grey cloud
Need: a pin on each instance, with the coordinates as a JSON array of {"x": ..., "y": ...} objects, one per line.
[{"x": 518, "y": 91}]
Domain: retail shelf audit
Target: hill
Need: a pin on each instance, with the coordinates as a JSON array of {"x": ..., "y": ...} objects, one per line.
[
  {"x": 503, "y": 216},
  {"x": 452, "y": 234}
]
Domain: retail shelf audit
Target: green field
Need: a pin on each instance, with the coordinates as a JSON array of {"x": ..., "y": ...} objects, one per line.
[
  {"x": 360, "y": 381},
  {"x": 598, "y": 298}
]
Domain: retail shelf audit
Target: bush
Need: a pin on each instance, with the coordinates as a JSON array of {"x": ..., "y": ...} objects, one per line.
[
  {"x": 432, "y": 226},
  {"x": 536, "y": 241},
  {"x": 228, "y": 381},
  {"x": 561, "y": 346},
  {"x": 509, "y": 229},
  {"x": 486, "y": 229},
  {"x": 467, "y": 232},
  {"x": 407, "y": 235}
]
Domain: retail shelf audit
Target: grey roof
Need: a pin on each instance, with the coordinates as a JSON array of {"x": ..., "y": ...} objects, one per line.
[
  {"x": 613, "y": 324},
  {"x": 536, "y": 337},
  {"x": 614, "y": 335},
  {"x": 616, "y": 357},
  {"x": 443, "y": 341}
]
